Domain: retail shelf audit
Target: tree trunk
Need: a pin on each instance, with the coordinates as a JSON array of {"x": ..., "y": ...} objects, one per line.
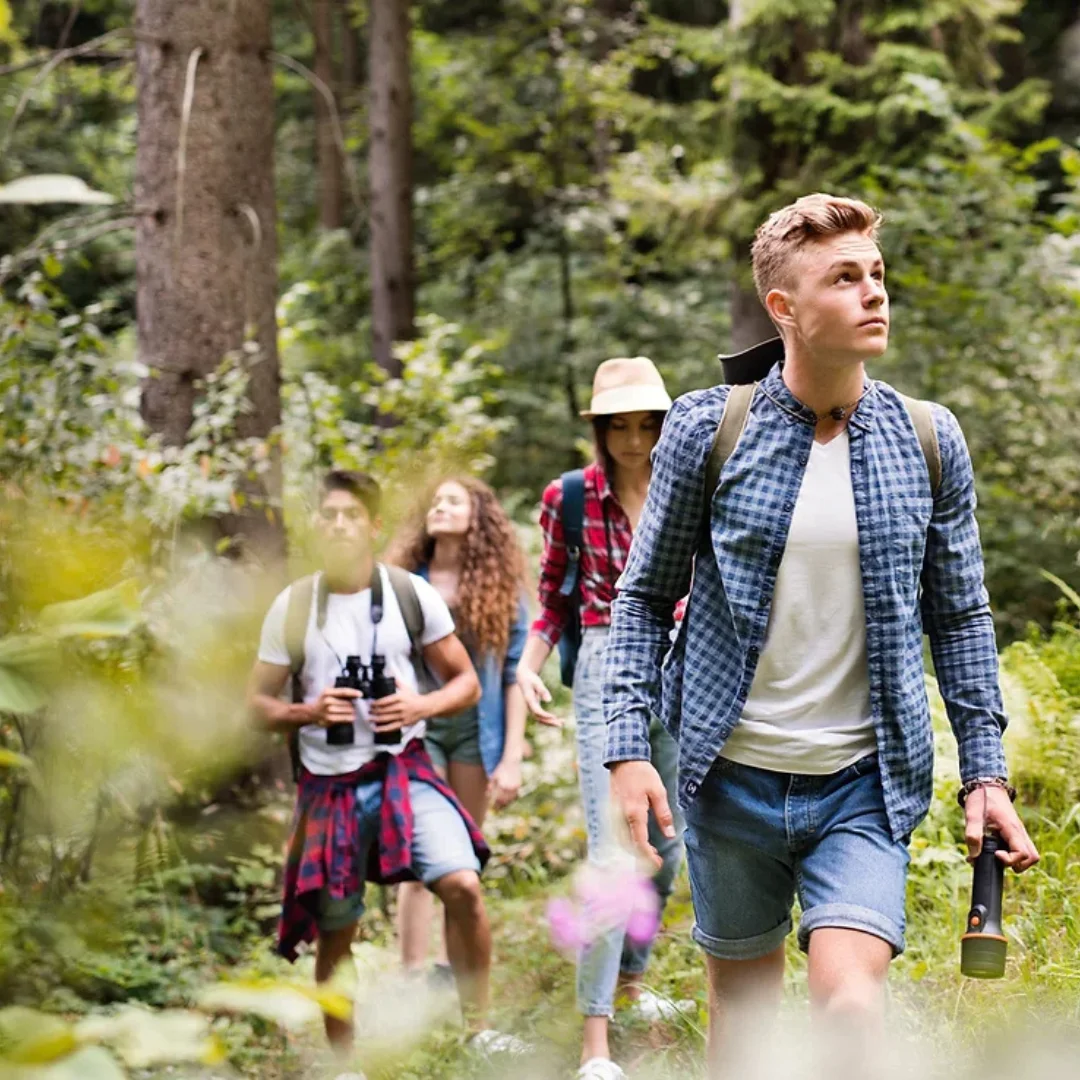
[
  {"x": 352, "y": 55},
  {"x": 750, "y": 323},
  {"x": 331, "y": 186},
  {"x": 390, "y": 178},
  {"x": 206, "y": 250}
]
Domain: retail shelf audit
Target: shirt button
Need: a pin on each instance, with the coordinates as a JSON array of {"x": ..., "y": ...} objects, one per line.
[
  {"x": 753, "y": 650},
  {"x": 789, "y": 506},
  {"x": 691, "y": 787}
]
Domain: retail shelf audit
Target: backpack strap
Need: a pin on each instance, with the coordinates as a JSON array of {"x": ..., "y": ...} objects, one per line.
[
  {"x": 573, "y": 524},
  {"x": 728, "y": 431},
  {"x": 922, "y": 416},
  {"x": 413, "y": 614},
  {"x": 297, "y": 616}
]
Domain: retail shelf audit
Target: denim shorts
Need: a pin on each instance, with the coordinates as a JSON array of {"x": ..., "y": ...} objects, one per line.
[
  {"x": 454, "y": 738},
  {"x": 756, "y": 838},
  {"x": 440, "y": 846}
]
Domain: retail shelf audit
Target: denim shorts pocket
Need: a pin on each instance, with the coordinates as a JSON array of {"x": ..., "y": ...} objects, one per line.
[{"x": 864, "y": 766}]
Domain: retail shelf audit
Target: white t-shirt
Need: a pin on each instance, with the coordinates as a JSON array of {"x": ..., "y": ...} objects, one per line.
[
  {"x": 808, "y": 710},
  {"x": 348, "y": 632}
]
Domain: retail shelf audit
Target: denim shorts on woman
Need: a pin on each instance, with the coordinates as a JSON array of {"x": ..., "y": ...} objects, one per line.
[{"x": 756, "y": 838}]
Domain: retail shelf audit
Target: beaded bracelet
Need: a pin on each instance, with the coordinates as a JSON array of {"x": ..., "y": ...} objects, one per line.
[{"x": 982, "y": 782}]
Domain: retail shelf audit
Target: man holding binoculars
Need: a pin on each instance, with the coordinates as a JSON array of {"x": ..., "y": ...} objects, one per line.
[
  {"x": 372, "y": 654},
  {"x": 821, "y": 522}
]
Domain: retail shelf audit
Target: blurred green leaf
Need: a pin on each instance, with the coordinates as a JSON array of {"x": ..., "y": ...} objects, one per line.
[
  {"x": 24, "y": 661},
  {"x": 1065, "y": 587},
  {"x": 111, "y": 613},
  {"x": 144, "y": 1038},
  {"x": 10, "y": 760},
  {"x": 29, "y": 1037},
  {"x": 289, "y": 1004}
]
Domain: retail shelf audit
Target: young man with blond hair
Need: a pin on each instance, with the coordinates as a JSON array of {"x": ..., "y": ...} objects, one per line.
[{"x": 795, "y": 684}]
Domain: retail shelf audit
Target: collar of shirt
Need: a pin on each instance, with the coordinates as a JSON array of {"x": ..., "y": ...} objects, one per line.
[{"x": 776, "y": 390}]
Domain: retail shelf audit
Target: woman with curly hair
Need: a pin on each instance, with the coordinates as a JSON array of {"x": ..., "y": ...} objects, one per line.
[{"x": 466, "y": 546}]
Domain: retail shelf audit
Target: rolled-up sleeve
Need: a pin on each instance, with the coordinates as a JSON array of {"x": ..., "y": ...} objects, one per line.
[
  {"x": 657, "y": 576},
  {"x": 956, "y": 612}
]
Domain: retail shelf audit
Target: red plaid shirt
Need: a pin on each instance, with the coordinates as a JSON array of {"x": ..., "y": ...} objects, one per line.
[
  {"x": 600, "y": 565},
  {"x": 324, "y": 846}
]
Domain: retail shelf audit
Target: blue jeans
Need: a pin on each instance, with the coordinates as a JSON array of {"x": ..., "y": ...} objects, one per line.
[
  {"x": 601, "y": 962},
  {"x": 755, "y": 838}
]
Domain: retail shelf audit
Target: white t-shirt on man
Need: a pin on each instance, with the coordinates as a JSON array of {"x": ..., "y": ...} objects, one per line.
[
  {"x": 348, "y": 631},
  {"x": 808, "y": 710}
]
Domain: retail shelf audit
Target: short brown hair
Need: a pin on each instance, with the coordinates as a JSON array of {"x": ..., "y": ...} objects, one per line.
[
  {"x": 803, "y": 221},
  {"x": 358, "y": 484}
]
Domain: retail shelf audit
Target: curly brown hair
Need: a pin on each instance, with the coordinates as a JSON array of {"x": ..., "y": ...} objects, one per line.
[{"x": 492, "y": 565}]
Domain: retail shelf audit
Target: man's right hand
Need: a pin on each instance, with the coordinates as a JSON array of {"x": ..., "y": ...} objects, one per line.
[
  {"x": 637, "y": 788},
  {"x": 335, "y": 705},
  {"x": 534, "y": 692}
]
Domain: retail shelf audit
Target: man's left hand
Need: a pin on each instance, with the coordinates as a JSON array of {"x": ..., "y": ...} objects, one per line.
[
  {"x": 397, "y": 711},
  {"x": 991, "y": 808}
]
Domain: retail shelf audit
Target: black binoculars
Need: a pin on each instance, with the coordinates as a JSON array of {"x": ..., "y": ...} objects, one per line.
[
  {"x": 373, "y": 683},
  {"x": 983, "y": 946}
]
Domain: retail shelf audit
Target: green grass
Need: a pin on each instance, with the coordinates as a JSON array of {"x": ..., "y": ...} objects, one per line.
[{"x": 960, "y": 1023}]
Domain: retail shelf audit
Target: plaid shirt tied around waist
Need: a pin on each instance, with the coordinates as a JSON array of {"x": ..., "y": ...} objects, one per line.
[
  {"x": 324, "y": 844},
  {"x": 921, "y": 566}
]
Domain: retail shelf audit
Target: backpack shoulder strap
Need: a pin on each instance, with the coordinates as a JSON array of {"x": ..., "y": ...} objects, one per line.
[
  {"x": 728, "y": 431},
  {"x": 297, "y": 616},
  {"x": 409, "y": 603},
  {"x": 413, "y": 615},
  {"x": 573, "y": 524},
  {"x": 922, "y": 416}
]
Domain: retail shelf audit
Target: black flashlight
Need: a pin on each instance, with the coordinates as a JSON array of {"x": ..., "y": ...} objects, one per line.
[{"x": 983, "y": 946}]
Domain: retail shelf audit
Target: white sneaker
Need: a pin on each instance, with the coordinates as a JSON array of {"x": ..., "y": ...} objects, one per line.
[
  {"x": 491, "y": 1042},
  {"x": 654, "y": 1008},
  {"x": 600, "y": 1069}
]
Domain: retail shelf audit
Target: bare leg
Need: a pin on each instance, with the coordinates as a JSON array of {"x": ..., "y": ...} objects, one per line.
[
  {"x": 416, "y": 910},
  {"x": 739, "y": 991},
  {"x": 594, "y": 1038},
  {"x": 469, "y": 783},
  {"x": 847, "y": 970},
  {"x": 468, "y": 941},
  {"x": 333, "y": 948}
]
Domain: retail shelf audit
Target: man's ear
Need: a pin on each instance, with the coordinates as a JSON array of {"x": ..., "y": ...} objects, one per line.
[{"x": 778, "y": 305}]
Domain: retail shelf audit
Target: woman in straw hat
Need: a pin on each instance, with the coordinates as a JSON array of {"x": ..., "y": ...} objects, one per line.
[{"x": 628, "y": 406}]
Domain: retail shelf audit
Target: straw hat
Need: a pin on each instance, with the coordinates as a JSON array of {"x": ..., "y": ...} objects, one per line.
[{"x": 627, "y": 384}]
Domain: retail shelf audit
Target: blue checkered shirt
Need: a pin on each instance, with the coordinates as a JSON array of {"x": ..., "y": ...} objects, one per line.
[{"x": 922, "y": 569}]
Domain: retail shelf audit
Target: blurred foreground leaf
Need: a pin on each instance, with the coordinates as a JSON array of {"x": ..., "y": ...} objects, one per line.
[
  {"x": 24, "y": 661},
  {"x": 110, "y": 613},
  {"x": 143, "y": 1038},
  {"x": 287, "y": 1004}
]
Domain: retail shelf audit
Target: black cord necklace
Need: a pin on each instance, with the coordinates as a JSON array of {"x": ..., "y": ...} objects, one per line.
[{"x": 841, "y": 412}]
